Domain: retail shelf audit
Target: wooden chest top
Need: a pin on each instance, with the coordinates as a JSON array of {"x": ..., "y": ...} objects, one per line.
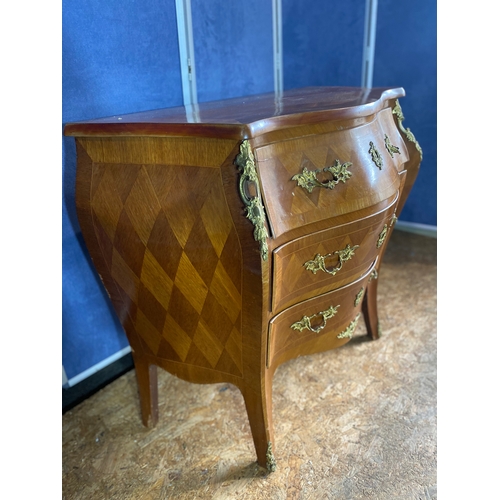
[{"x": 245, "y": 117}]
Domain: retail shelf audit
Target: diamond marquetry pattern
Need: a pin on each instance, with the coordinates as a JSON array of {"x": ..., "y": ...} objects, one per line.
[
  {"x": 290, "y": 206},
  {"x": 170, "y": 245}
]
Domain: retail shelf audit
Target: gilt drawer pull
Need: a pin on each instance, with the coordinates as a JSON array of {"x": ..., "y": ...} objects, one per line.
[
  {"x": 305, "y": 322},
  {"x": 308, "y": 178},
  {"x": 318, "y": 263}
]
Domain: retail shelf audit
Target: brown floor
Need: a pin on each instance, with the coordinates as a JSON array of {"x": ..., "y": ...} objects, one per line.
[{"x": 356, "y": 422}]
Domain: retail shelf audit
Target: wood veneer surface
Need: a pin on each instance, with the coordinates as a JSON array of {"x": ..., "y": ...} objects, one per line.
[
  {"x": 379, "y": 442},
  {"x": 301, "y": 283},
  {"x": 244, "y": 117}
]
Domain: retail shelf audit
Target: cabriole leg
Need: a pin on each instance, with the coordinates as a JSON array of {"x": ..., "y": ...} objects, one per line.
[{"x": 259, "y": 410}]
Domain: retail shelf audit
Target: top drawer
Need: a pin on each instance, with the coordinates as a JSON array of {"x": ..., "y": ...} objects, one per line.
[{"x": 313, "y": 178}]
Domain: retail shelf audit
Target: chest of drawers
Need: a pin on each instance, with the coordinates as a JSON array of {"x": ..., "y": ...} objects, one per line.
[{"x": 239, "y": 234}]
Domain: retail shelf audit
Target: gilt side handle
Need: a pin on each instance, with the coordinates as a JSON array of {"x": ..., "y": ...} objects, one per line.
[
  {"x": 254, "y": 210},
  {"x": 308, "y": 179},
  {"x": 305, "y": 322},
  {"x": 318, "y": 263}
]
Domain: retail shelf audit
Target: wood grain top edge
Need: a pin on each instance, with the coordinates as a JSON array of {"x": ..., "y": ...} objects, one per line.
[
  {"x": 221, "y": 131},
  {"x": 173, "y": 122}
]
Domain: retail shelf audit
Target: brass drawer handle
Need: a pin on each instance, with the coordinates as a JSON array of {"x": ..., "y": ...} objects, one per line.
[
  {"x": 308, "y": 180},
  {"x": 318, "y": 263},
  {"x": 305, "y": 322}
]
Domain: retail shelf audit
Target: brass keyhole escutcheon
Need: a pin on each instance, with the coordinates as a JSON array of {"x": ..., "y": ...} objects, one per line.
[
  {"x": 382, "y": 236},
  {"x": 376, "y": 156}
]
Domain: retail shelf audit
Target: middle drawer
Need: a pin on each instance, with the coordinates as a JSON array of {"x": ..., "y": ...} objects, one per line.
[{"x": 326, "y": 260}]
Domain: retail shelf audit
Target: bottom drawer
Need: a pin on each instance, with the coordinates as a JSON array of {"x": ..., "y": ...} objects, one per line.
[{"x": 334, "y": 313}]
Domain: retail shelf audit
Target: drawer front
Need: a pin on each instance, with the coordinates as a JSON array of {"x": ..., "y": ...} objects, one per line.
[
  {"x": 313, "y": 178},
  {"x": 335, "y": 313},
  {"x": 326, "y": 260}
]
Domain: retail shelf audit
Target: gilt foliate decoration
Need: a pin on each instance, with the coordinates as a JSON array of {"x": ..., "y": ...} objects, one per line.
[
  {"x": 308, "y": 178},
  {"x": 270, "y": 460},
  {"x": 348, "y": 332},
  {"x": 382, "y": 236},
  {"x": 392, "y": 149},
  {"x": 358, "y": 298},
  {"x": 305, "y": 322},
  {"x": 376, "y": 156},
  {"x": 318, "y": 263},
  {"x": 398, "y": 112},
  {"x": 254, "y": 210}
]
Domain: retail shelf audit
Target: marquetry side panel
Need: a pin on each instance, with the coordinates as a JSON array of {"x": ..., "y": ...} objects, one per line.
[
  {"x": 168, "y": 241},
  {"x": 189, "y": 151}
]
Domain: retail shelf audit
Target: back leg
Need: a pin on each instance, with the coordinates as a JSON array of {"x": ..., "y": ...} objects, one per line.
[
  {"x": 147, "y": 380},
  {"x": 369, "y": 308}
]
